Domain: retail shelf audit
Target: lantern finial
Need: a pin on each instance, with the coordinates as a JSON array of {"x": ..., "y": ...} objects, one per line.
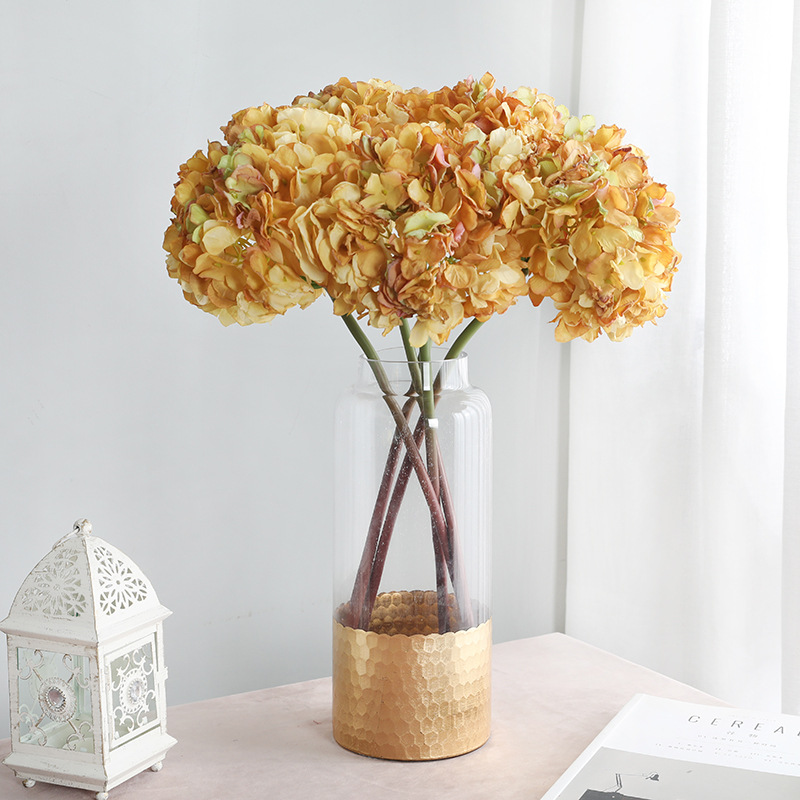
[{"x": 82, "y": 527}]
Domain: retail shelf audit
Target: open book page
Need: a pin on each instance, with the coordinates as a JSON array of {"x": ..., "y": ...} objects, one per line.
[{"x": 658, "y": 749}]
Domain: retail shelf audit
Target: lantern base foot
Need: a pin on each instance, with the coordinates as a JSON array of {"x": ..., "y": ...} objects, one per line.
[
  {"x": 156, "y": 767},
  {"x": 142, "y": 753},
  {"x": 28, "y": 783}
]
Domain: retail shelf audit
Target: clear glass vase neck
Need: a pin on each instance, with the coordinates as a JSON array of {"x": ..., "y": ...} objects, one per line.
[{"x": 397, "y": 373}]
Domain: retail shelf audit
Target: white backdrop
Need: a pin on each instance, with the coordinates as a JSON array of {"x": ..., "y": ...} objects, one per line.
[
  {"x": 203, "y": 452},
  {"x": 645, "y": 494}
]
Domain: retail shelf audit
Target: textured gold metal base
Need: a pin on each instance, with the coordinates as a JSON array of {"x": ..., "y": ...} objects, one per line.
[{"x": 404, "y": 691}]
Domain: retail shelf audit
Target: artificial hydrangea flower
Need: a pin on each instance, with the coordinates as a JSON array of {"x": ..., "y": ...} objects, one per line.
[{"x": 430, "y": 206}]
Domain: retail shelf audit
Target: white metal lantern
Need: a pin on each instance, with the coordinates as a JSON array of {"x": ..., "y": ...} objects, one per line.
[{"x": 86, "y": 668}]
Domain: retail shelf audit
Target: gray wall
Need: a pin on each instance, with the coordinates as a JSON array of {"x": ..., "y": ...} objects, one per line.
[{"x": 205, "y": 453}]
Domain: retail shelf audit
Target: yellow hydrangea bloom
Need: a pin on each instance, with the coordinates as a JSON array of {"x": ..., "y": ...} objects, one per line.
[{"x": 429, "y": 206}]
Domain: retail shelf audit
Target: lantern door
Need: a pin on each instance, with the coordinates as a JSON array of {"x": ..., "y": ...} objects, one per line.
[
  {"x": 133, "y": 690},
  {"x": 53, "y": 691}
]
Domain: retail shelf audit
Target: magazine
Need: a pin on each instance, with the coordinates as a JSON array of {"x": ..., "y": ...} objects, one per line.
[{"x": 657, "y": 749}]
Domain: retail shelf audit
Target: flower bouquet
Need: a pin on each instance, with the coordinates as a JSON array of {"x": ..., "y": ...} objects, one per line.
[{"x": 425, "y": 213}]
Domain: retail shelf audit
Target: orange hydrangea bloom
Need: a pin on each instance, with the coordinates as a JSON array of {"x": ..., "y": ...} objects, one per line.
[{"x": 430, "y": 206}]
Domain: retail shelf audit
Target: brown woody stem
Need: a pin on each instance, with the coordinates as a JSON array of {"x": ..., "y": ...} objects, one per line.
[
  {"x": 457, "y": 574},
  {"x": 429, "y": 492},
  {"x": 358, "y": 609},
  {"x": 432, "y": 478}
]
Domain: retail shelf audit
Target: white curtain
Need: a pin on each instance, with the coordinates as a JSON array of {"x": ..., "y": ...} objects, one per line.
[
  {"x": 791, "y": 507},
  {"x": 683, "y": 515}
]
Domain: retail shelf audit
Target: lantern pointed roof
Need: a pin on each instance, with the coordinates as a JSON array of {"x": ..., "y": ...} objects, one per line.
[{"x": 85, "y": 591}]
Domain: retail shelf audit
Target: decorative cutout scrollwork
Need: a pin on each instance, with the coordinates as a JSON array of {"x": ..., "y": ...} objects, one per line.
[
  {"x": 56, "y": 589},
  {"x": 119, "y": 587},
  {"x": 133, "y": 692},
  {"x": 55, "y": 700}
]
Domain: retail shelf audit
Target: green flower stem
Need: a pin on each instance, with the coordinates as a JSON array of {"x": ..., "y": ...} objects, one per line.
[
  {"x": 369, "y": 351},
  {"x": 401, "y": 425},
  {"x": 447, "y": 551},
  {"x": 454, "y": 352},
  {"x": 411, "y": 357},
  {"x": 384, "y": 515},
  {"x": 428, "y": 401},
  {"x": 456, "y": 561},
  {"x": 463, "y": 338},
  {"x": 432, "y": 463}
]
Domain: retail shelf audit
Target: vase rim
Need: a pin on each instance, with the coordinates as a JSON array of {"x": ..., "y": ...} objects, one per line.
[{"x": 397, "y": 355}]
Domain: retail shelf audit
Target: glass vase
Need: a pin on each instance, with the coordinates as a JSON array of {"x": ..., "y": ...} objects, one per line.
[{"x": 412, "y": 620}]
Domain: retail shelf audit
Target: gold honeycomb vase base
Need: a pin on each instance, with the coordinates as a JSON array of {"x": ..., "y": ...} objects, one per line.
[{"x": 405, "y": 692}]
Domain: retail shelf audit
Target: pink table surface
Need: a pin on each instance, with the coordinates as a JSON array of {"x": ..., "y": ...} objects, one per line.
[{"x": 550, "y": 696}]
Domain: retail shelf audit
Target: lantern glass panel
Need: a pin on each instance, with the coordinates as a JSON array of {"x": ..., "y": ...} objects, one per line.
[
  {"x": 55, "y": 700},
  {"x": 133, "y": 691}
]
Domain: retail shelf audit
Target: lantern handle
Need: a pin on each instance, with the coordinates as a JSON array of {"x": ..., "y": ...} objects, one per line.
[{"x": 81, "y": 527}]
